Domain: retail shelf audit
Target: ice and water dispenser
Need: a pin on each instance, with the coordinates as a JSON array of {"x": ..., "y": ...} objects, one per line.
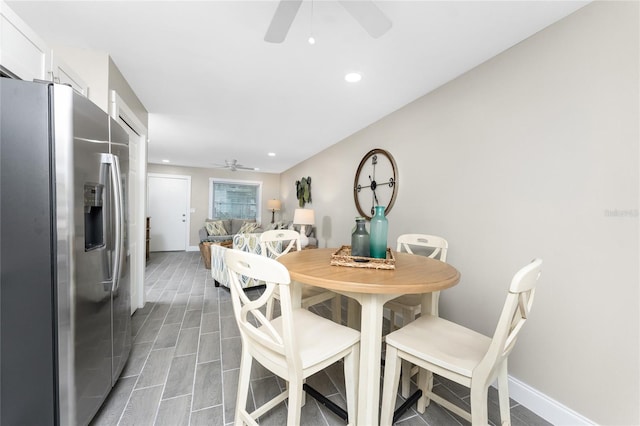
[{"x": 93, "y": 216}]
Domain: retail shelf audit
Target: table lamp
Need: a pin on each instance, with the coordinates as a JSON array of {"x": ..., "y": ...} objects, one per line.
[
  {"x": 273, "y": 205},
  {"x": 303, "y": 217}
]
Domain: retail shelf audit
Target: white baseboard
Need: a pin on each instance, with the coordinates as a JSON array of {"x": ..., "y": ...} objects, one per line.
[
  {"x": 193, "y": 248},
  {"x": 544, "y": 406}
]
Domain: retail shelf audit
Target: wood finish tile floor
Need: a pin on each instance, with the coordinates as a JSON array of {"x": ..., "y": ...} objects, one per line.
[{"x": 183, "y": 367}]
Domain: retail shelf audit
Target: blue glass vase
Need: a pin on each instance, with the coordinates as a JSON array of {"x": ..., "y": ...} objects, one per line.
[
  {"x": 378, "y": 238},
  {"x": 360, "y": 239}
]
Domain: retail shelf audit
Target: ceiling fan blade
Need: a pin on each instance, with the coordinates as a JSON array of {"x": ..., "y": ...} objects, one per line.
[
  {"x": 370, "y": 17},
  {"x": 282, "y": 20}
]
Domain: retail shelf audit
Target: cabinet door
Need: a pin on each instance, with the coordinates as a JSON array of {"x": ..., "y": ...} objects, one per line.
[
  {"x": 65, "y": 75},
  {"x": 22, "y": 53}
]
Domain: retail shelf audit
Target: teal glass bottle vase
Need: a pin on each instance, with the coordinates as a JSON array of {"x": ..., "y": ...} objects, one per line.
[
  {"x": 379, "y": 230},
  {"x": 360, "y": 239}
]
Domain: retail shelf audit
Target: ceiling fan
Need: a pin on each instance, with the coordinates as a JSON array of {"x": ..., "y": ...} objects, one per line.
[
  {"x": 370, "y": 17},
  {"x": 233, "y": 165}
]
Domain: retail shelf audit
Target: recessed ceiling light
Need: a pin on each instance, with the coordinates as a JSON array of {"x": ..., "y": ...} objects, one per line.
[
  {"x": 166, "y": 161},
  {"x": 311, "y": 40},
  {"x": 353, "y": 77},
  {"x": 271, "y": 154}
]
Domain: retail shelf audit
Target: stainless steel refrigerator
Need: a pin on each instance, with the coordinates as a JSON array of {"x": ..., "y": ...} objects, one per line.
[{"x": 65, "y": 329}]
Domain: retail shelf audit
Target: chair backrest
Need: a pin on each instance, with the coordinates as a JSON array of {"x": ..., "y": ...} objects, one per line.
[
  {"x": 409, "y": 242},
  {"x": 256, "y": 330},
  {"x": 514, "y": 314},
  {"x": 271, "y": 242}
]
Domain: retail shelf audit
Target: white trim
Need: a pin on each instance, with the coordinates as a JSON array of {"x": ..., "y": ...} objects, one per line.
[
  {"x": 188, "y": 216},
  {"x": 258, "y": 183},
  {"x": 193, "y": 248},
  {"x": 544, "y": 406},
  {"x": 125, "y": 115},
  {"x": 121, "y": 112}
]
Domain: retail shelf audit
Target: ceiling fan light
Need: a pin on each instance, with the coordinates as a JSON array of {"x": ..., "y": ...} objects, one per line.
[{"x": 353, "y": 77}]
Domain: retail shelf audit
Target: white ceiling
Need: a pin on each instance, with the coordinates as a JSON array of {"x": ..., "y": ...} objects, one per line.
[{"x": 215, "y": 90}]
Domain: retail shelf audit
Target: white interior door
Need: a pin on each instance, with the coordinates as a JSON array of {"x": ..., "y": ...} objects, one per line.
[{"x": 168, "y": 197}]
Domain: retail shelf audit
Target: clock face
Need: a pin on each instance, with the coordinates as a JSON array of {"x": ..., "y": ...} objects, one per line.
[{"x": 376, "y": 182}]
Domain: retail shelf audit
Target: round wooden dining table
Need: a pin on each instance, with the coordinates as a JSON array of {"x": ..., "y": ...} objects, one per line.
[{"x": 371, "y": 288}]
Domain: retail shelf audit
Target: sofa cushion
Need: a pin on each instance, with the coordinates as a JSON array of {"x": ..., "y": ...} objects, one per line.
[
  {"x": 248, "y": 227},
  {"x": 216, "y": 228},
  {"x": 236, "y": 224}
]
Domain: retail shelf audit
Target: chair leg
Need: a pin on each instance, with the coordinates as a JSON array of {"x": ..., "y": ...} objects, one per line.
[
  {"x": 351, "y": 371},
  {"x": 479, "y": 404},
  {"x": 295, "y": 401},
  {"x": 353, "y": 314},
  {"x": 390, "y": 386},
  {"x": 405, "y": 389},
  {"x": 243, "y": 386},
  {"x": 503, "y": 394},
  {"x": 336, "y": 309},
  {"x": 425, "y": 384},
  {"x": 392, "y": 321}
]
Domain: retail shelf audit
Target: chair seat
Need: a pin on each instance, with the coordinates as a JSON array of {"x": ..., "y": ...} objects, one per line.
[
  {"x": 441, "y": 342},
  {"x": 410, "y": 300},
  {"x": 317, "y": 338}
]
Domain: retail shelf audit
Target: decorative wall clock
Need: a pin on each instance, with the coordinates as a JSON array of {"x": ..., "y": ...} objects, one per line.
[{"x": 376, "y": 182}]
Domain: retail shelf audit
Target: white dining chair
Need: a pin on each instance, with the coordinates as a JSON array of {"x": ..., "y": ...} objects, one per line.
[
  {"x": 295, "y": 345},
  {"x": 460, "y": 354},
  {"x": 409, "y": 305},
  {"x": 277, "y": 242}
]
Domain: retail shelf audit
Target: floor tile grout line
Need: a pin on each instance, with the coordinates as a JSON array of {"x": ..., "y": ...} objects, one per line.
[
  {"x": 220, "y": 352},
  {"x": 142, "y": 369},
  {"x": 133, "y": 389},
  {"x": 164, "y": 384},
  {"x": 195, "y": 369},
  {"x": 193, "y": 380}
]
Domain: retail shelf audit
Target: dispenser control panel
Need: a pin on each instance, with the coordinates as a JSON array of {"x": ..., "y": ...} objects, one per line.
[{"x": 93, "y": 195}]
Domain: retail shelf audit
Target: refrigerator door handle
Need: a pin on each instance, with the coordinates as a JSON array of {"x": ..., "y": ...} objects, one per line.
[
  {"x": 114, "y": 171},
  {"x": 105, "y": 176},
  {"x": 119, "y": 207}
]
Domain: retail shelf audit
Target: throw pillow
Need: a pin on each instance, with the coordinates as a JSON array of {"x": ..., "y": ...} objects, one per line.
[
  {"x": 248, "y": 227},
  {"x": 215, "y": 228}
]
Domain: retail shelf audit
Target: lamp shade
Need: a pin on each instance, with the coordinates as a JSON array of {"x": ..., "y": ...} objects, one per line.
[
  {"x": 304, "y": 217},
  {"x": 273, "y": 204}
]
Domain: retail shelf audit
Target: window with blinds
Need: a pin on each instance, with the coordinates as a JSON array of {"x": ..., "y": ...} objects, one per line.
[{"x": 234, "y": 199}]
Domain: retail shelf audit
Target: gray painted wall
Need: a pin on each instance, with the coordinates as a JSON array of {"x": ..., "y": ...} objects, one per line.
[{"x": 533, "y": 153}]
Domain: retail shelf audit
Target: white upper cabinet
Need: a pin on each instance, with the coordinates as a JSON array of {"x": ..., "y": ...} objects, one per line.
[{"x": 22, "y": 53}]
